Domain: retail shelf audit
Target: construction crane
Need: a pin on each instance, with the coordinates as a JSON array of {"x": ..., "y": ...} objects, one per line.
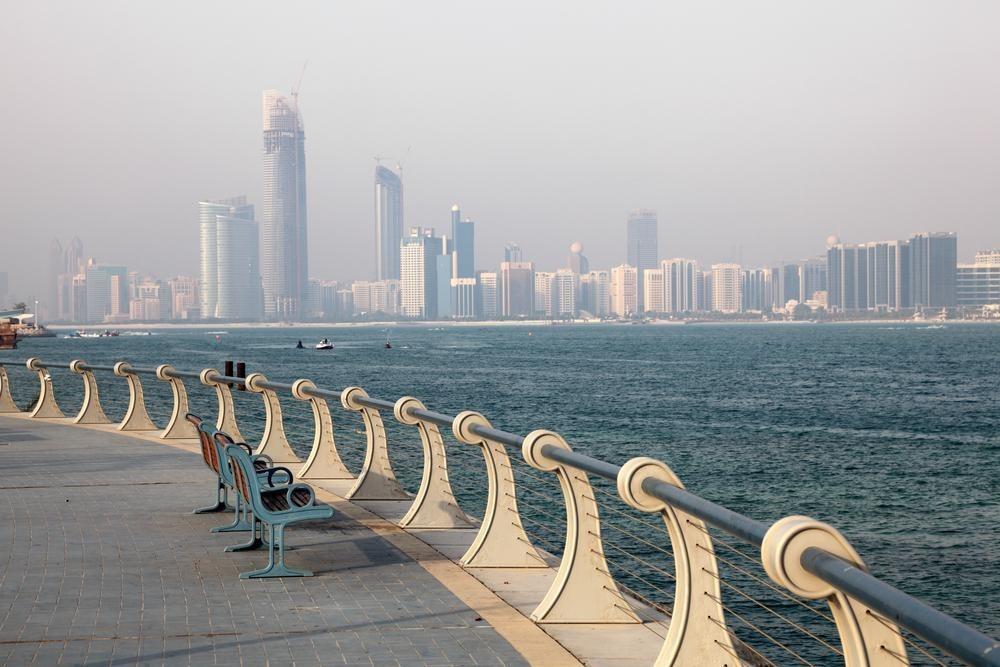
[{"x": 298, "y": 84}]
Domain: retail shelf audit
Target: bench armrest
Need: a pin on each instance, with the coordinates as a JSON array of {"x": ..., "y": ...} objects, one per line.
[
  {"x": 247, "y": 448},
  {"x": 278, "y": 469},
  {"x": 292, "y": 488}
]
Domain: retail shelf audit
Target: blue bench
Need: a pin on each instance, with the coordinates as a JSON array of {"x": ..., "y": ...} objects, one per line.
[{"x": 274, "y": 507}]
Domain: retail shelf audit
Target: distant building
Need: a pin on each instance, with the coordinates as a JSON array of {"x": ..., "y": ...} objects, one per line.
[
  {"x": 388, "y": 223},
  {"x": 487, "y": 283},
  {"x": 704, "y": 282},
  {"x": 512, "y": 253},
  {"x": 463, "y": 237},
  {"x": 758, "y": 294},
  {"x": 106, "y": 292},
  {"x": 727, "y": 288},
  {"x": 184, "y": 301},
  {"x": 284, "y": 242},
  {"x": 230, "y": 260},
  {"x": 543, "y": 293},
  {"x": 517, "y": 289},
  {"x": 812, "y": 278},
  {"x": 418, "y": 273},
  {"x": 564, "y": 289},
  {"x": 933, "y": 263},
  {"x": 623, "y": 291},
  {"x": 463, "y": 298},
  {"x": 681, "y": 289},
  {"x": 978, "y": 284},
  {"x": 578, "y": 263},
  {"x": 653, "y": 294},
  {"x": 595, "y": 291},
  {"x": 444, "y": 270},
  {"x": 642, "y": 250}
]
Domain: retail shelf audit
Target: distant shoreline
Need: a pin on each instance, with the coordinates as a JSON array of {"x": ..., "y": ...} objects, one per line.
[{"x": 220, "y": 326}]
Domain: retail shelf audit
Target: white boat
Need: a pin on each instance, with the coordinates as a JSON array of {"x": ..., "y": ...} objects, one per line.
[{"x": 324, "y": 344}]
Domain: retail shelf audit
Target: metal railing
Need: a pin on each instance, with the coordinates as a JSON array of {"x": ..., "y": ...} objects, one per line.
[{"x": 805, "y": 562}]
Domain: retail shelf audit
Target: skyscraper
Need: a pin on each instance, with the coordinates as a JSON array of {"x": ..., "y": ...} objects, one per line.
[
  {"x": 512, "y": 253},
  {"x": 933, "y": 265},
  {"x": 230, "y": 260},
  {"x": 517, "y": 289},
  {"x": 597, "y": 293},
  {"x": 727, "y": 288},
  {"x": 652, "y": 291},
  {"x": 680, "y": 285},
  {"x": 543, "y": 293},
  {"x": 487, "y": 285},
  {"x": 978, "y": 284},
  {"x": 388, "y": 223},
  {"x": 463, "y": 238},
  {"x": 623, "y": 290},
  {"x": 284, "y": 256},
  {"x": 813, "y": 278},
  {"x": 641, "y": 243},
  {"x": 418, "y": 273},
  {"x": 578, "y": 262},
  {"x": 106, "y": 292}
]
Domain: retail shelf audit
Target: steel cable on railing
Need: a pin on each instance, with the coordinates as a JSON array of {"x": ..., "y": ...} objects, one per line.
[
  {"x": 910, "y": 642},
  {"x": 753, "y": 627},
  {"x": 733, "y": 637}
]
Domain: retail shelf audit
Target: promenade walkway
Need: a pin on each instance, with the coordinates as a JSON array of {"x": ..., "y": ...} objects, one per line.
[{"x": 103, "y": 563}]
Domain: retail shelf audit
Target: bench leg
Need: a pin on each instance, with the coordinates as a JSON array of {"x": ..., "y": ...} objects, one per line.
[
  {"x": 239, "y": 523},
  {"x": 273, "y": 569},
  {"x": 221, "y": 494},
  {"x": 255, "y": 540}
]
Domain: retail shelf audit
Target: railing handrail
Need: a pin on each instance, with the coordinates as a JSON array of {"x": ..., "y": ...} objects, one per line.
[{"x": 947, "y": 633}]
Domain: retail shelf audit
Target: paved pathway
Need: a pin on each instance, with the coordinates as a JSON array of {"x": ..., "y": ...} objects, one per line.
[{"x": 102, "y": 563}]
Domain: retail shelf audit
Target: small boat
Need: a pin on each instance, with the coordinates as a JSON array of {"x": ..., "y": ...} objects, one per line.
[
  {"x": 324, "y": 344},
  {"x": 388, "y": 345}
]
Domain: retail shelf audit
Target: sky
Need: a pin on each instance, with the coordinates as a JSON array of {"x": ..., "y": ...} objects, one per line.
[{"x": 755, "y": 129}]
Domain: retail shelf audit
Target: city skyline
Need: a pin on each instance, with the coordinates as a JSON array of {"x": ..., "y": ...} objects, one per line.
[{"x": 733, "y": 140}]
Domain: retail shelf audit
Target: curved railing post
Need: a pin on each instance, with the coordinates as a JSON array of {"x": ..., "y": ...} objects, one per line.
[
  {"x": 501, "y": 540},
  {"x": 136, "y": 418},
  {"x": 226, "y": 421},
  {"x": 46, "y": 406},
  {"x": 377, "y": 481},
  {"x": 324, "y": 461},
  {"x": 434, "y": 506},
  {"x": 697, "y": 633},
  {"x": 7, "y": 404},
  {"x": 273, "y": 442},
  {"x": 868, "y": 639},
  {"x": 178, "y": 426},
  {"x": 584, "y": 590},
  {"x": 91, "y": 411}
]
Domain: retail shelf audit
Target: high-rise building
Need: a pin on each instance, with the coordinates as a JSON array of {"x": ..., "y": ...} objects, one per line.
[
  {"x": 463, "y": 298},
  {"x": 641, "y": 243},
  {"x": 444, "y": 270},
  {"x": 230, "y": 260},
  {"x": 543, "y": 293},
  {"x": 184, "y": 302},
  {"x": 487, "y": 283},
  {"x": 563, "y": 292},
  {"x": 463, "y": 239},
  {"x": 595, "y": 293},
  {"x": 653, "y": 294},
  {"x": 680, "y": 285},
  {"x": 933, "y": 264},
  {"x": 578, "y": 262},
  {"x": 623, "y": 291},
  {"x": 844, "y": 289},
  {"x": 978, "y": 284},
  {"x": 758, "y": 292},
  {"x": 704, "y": 283},
  {"x": 512, "y": 253},
  {"x": 517, "y": 289},
  {"x": 727, "y": 288},
  {"x": 388, "y": 223},
  {"x": 284, "y": 249},
  {"x": 418, "y": 287},
  {"x": 106, "y": 292},
  {"x": 812, "y": 278}
]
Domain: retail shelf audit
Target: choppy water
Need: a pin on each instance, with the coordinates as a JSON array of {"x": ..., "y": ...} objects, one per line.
[{"x": 889, "y": 432}]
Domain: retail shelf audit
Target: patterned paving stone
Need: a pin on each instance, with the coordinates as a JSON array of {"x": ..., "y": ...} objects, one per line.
[{"x": 106, "y": 565}]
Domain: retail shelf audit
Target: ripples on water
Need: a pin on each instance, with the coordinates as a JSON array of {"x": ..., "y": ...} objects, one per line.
[{"x": 889, "y": 433}]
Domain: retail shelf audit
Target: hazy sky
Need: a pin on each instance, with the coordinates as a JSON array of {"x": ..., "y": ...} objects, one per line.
[{"x": 752, "y": 127}]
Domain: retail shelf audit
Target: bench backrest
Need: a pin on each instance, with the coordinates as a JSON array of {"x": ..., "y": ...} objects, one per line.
[
  {"x": 220, "y": 441},
  {"x": 207, "y": 450},
  {"x": 244, "y": 477}
]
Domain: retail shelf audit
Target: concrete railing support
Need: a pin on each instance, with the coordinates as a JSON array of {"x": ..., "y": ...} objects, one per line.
[
  {"x": 868, "y": 639},
  {"x": 501, "y": 541},
  {"x": 273, "y": 442},
  {"x": 697, "y": 633},
  {"x": 226, "y": 421},
  {"x": 584, "y": 590},
  {"x": 91, "y": 411},
  {"x": 178, "y": 426},
  {"x": 46, "y": 406},
  {"x": 136, "y": 418},
  {"x": 7, "y": 403},
  {"x": 434, "y": 506},
  {"x": 377, "y": 481},
  {"x": 324, "y": 461}
]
